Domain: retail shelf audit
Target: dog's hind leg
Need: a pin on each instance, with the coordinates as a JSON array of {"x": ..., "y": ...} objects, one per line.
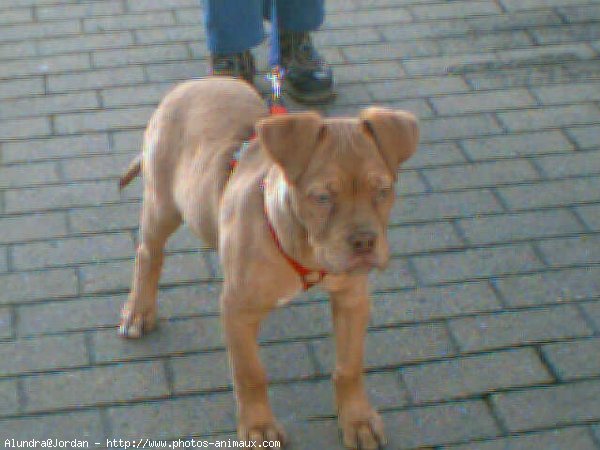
[{"x": 157, "y": 223}]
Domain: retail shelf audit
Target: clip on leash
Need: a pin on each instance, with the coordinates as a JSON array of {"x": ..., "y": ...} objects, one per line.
[{"x": 277, "y": 73}]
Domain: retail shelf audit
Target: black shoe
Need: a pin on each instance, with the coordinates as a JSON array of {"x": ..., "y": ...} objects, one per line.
[
  {"x": 308, "y": 78},
  {"x": 238, "y": 65}
]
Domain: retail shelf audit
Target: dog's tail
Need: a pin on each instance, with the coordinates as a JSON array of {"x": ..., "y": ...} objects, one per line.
[{"x": 134, "y": 169}]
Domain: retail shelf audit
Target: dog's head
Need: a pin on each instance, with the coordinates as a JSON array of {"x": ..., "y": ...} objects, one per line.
[{"x": 340, "y": 176}]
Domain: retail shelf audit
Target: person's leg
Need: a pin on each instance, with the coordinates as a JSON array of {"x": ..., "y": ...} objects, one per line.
[
  {"x": 297, "y": 15},
  {"x": 233, "y": 27}
]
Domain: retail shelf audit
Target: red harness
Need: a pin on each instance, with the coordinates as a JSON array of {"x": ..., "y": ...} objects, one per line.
[{"x": 308, "y": 276}]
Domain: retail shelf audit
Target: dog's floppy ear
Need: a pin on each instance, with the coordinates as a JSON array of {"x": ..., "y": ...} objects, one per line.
[
  {"x": 290, "y": 140},
  {"x": 395, "y": 132}
]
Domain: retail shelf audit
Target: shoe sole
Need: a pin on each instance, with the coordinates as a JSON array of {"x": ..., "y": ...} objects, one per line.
[{"x": 309, "y": 98}]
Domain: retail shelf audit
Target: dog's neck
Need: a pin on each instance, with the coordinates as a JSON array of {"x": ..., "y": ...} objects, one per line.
[{"x": 290, "y": 232}]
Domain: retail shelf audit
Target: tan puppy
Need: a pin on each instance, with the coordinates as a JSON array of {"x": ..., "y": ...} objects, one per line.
[{"x": 311, "y": 190}]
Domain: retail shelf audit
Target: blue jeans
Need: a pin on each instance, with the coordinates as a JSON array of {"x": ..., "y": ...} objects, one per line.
[{"x": 233, "y": 26}]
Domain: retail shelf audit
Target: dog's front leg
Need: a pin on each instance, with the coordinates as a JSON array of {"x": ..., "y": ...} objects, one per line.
[
  {"x": 361, "y": 425},
  {"x": 256, "y": 421}
]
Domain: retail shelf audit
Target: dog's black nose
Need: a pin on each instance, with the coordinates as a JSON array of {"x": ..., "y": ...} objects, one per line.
[{"x": 362, "y": 241}]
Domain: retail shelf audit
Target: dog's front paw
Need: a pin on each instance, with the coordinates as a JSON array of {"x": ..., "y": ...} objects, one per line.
[
  {"x": 259, "y": 431},
  {"x": 362, "y": 429},
  {"x": 134, "y": 323}
]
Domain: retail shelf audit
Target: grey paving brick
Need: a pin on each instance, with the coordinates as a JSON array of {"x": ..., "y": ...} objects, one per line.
[
  {"x": 433, "y": 303},
  {"x": 150, "y": 93},
  {"x": 566, "y": 93},
  {"x": 369, "y": 17},
  {"x": 440, "y": 424},
  {"x": 98, "y": 385},
  {"x": 5, "y": 323},
  {"x": 28, "y": 286},
  {"x": 559, "y": 439},
  {"x": 94, "y": 79},
  {"x": 170, "y": 338},
  {"x": 177, "y": 70},
  {"x": 44, "y": 353},
  {"x": 395, "y": 90},
  {"x": 512, "y": 227},
  {"x": 359, "y": 36},
  {"x": 72, "y": 251},
  {"x": 583, "y": 249},
  {"x": 397, "y": 275},
  {"x": 543, "y": 54},
  {"x": 517, "y": 328},
  {"x": 296, "y": 321},
  {"x": 24, "y": 128},
  {"x": 566, "y": 33},
  {"x": 85, "y": 42},
  {"x": 592, "y": 311},
  {"x": 17, "y": 50},
  {"x": 549, "y": 117},
  {"x": 575, "y": 359},
  {"x": 476, "y": 375},
  {"x": 424, "y": 30},
  {"x": 9, "y": 398},
  {"x": 203, "y": 372},
  {"x": 21, "y": 87},
  {"x": 574, "y": 164},
  {"x": 3, "y": 259},
  {"x": 484, "y": 42},
  {"x": 458, "y": 9},
  {"x": 551, "y": 193},
  {"x": 70, "y": 11},
  {"x": 422, "y": 238},
  {"x": 48, "y": 104},
  {"x": 514, "y": 5},
  {"x": 393, "y": 347},
  {"x": 444, "y": 206},
  {"x": 483, "y": 101},
  {"x": 449, "y": 64},
  {"x": 94, "y": 167},
  {"x": 586, "y": 136},
  {"x": 158, "y": 35},
  {"x": 104, "y": 218},
  {"x": 152, "y": 5},
  {"x": 288, "y": 360},
  {"x": 579, "y": 12},
  {"x": 432, "y": 155},
  {"x": 55, "y": 147},
  {"x": 20, "y": 32},
  {"x": 590, "y": 215},
  {"x": 127, "y": 21},
  {"x": 174, "y": 418},
  {"x": 549, "y": 406},
  {"x": 21, "y": 175},
  {"x": 139, "y": 55},
  {"x": 60, "y": 196},
  {"x": 458, "y": 127},
  {"x": 551, "y": 287},
  {"x": 45, "y": 65},
  {"x": 13, "y": 16},
  {"x": 482, "y": 174},
  {"x": 76, "y": 425},
  {"x": 515, "y": 145},
  {"x": 367, "y": 72},
  {"x": 476, "y": 263},
  {"x": 364, "y": 52},
  {"x": 102, "y": 120}
]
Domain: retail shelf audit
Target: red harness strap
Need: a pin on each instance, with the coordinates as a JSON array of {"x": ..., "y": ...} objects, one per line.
[{"x": 309, "y": 277}]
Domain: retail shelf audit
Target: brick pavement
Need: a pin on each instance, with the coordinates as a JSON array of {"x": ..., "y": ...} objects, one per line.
[{"x": 485, "y": 331}]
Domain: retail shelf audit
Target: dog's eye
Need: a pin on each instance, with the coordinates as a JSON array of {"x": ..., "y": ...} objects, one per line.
[
  {"x": 383, "y": 193},
  {"x": 321, "y": 198}
]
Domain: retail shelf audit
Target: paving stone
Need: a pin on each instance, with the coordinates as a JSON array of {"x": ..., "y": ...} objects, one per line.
[
  {"x": 48, "y": 104},
  {"x": 567, "y": 93},
  {"x": 16, "y": 16},
  {"x": 440, "y": 424},
  {"x": 432, "y": 155},
  {"x": 95, "y": 79},
  {"x": 32, "y": 226},
  {"x": 24, "y": 128},
  {"x": 550, "y": 193},
  {"x": 549, "y": 406},
  {"x": 152, "y": 5},
  {"x": 515, "y": 145},
  {"x": 550, "y": 287},
  {"x": 22, "y": 175},
  {"x": 108, "y": 384},
  {"x": 518, "y": 328},
  {"x": 41, "y": 354},
  {"x": 485, "y": 42},
  {"x": 145, "y": 94},
  {"x": 55, "y": 147},
  {"x": 574, "y": 164},
  {"x": 178, "y": 71},
  {"x": 591, "y": 215},
  {"x": 17, "y": 50},
  {"x": 559, "y": 439},
  {"x": 424, "y": 304},
  {"x": 483, "y": 174},
  {"x": 396, "y": 276},
  {"x": 159, "y": 35},
  {"x": 549, "y": 117},
  {"x": 81, "y": 425},
  {"x": 60, "y": 196},
  {"x": 174, "y": 418},
  {"x": 396, "y": 90},
  {"x": 583, "y": 249},
  {"x": 104, "y": 218},
  {"x": 139, "y": 55},
  {"x": 94, "y": 167},
  {"x": 45, "y": 65},
  {"x": 458, "y": 127},
  {"x": 5, "y": 323},
  {"x": 79, "y": 11},
  {"x": 586, "y": 136},
  {"x": 296, "y": 321},
  {"x": 170, "y": 338},
  {"x": 19, "y": 32},
  {"x": 476, "y": 263},
  {"x": 71, "y": 251},
  {"x": 422, "y": 238},
  {"x": 360, "y": 36},
  {"x": 566, "y": 33},
  {"x": 409, "y": 344},
  {"x": 575, "y": 359},
  {"x": 203, "y": 372},
  {"x": 458, "y": 9},
  {"x": 482, "y": 101},
  {"x": 85, "y": 42},
  {"x": 592, "y": 310},
  {"x": 27, "y": 286},
  {"x": 449, "y": 64},
  {"x": 102, "y": 120},
  {"x": 512, "y": 227},
  {"x": 9, "y": 398},
  {"x": 19, "y": 87},
  {"x": 476, "y": 375},
  {"x": 127, "y": 21},
  {"x": 369, "y": 52}
]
